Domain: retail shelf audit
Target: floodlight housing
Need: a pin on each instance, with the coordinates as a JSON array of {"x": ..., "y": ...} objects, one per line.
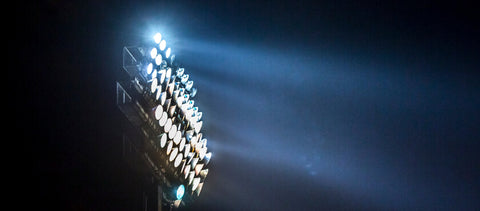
[{"x": 158, "y": 101}]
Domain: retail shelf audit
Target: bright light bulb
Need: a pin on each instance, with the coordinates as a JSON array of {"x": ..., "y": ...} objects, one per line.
[
  {"x": 169, "y": 147},
  {"x": 163, "y": 140},
  {"x": 157, "y": 38},
  {"x": 163, "y": 44},
  {"x": 167, "y": 53},
  {"x": 177, "y": 138},
  {"x": 153, "y": 87},
  {"x": 168, "y": 125},
  {"x": 173, "y": 154},
  {"x": 172, "y": 132},
  {"x": 149, "y": 68},
  {"x": 158, "y": 59},
  {"x": 178, "y": 160},
  {"x": 153, "y": 53},
  {"x": 158, "y": 112},
  {"x": 163, "y": 119},
  {"x": 180, "y": 192},
  {"x": 195, "y": 181}
]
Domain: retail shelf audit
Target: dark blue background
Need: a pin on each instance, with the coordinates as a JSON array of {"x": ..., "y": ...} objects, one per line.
[{"x": 307, "y": 105}]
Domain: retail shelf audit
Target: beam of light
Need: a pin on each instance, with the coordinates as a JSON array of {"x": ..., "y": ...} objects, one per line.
[{"x": 265, "y": 91}]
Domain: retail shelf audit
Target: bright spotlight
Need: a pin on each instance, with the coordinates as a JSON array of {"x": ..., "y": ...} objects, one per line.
[
  {"x": 158, "y": 112},
  {"x": 153, "y": 53},
  {"x": 158, "y": 59},
  {"x": 163, "y": 44},
  {"x": 167, "y": 53},
  {"x": 158, "y": 100},
  {"x": 180, "y": 192},
  {"x": 149, "y": 68},
  {"x": 157, "y": 38}
]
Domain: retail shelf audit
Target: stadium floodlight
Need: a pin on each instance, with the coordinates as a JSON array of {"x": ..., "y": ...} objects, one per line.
[
  {"x": 158, "y": 100},
  {"x": 203, "y": 174},
  {"x": 167, "y": 53},
  {"x": 163, "y": 44},
  {"x": 180, "y": 72},
  {"x": 180, "y": 192},
  {"x": 173, "y": 154},
  {"x": 198, "y": 168},
  {"x": 195, "y": 183},
  {"x": 157, "y": 38},
  {"x": 158, "y": 112},
  {"x": 207, "y": 157},
  {"x": 199, "y": 188},
  {"x": 153, "y": 86},
  {"x": 163, "y": 140},
  {"x": 163, "y": 119},
  {"x": 168, "y": 75},
  {"x": 153, "y": 53},
  {"x": 182, "y": 142},
  {"x": 169, "y": 147},
  {"x": 158, "y": 59},
  {"x": 189, "y": 85},
  {"x": 184, "y": 78},
  {"x": 172, "y": 132},
  {"x": 178, "y": 160},
  {"x": 191, "y": 175},
  {"x": 149, "y": 68},
  {"x": 168, "y": 125},
  {"x": 177, "y": 138},
  {"x": 187, "y": 149}
]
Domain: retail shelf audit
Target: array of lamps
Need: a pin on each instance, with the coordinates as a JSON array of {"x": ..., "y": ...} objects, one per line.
[{"x": 179, "y": 120}]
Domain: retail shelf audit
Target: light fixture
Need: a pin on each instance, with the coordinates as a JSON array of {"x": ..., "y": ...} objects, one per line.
[
  {"x": 180, "y": 192},
  {"x": 167, "y": 53},
  {"x": 153, "y": 53},
  {"x": 158, "y": 100},
  {"x": 157, "y": 38},
  {"x": 158, "y": 59},
  {"x": 158, "y": 112},
  {"x": 149, "y": 68},
  {"x": 163, "y": 44}
]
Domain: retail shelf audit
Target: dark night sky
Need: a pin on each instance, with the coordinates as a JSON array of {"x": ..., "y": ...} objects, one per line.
[{"x": 307, "y": 105}]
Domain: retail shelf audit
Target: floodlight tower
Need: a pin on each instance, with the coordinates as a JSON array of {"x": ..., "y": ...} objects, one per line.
[{"x": 157, "y": 100}]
